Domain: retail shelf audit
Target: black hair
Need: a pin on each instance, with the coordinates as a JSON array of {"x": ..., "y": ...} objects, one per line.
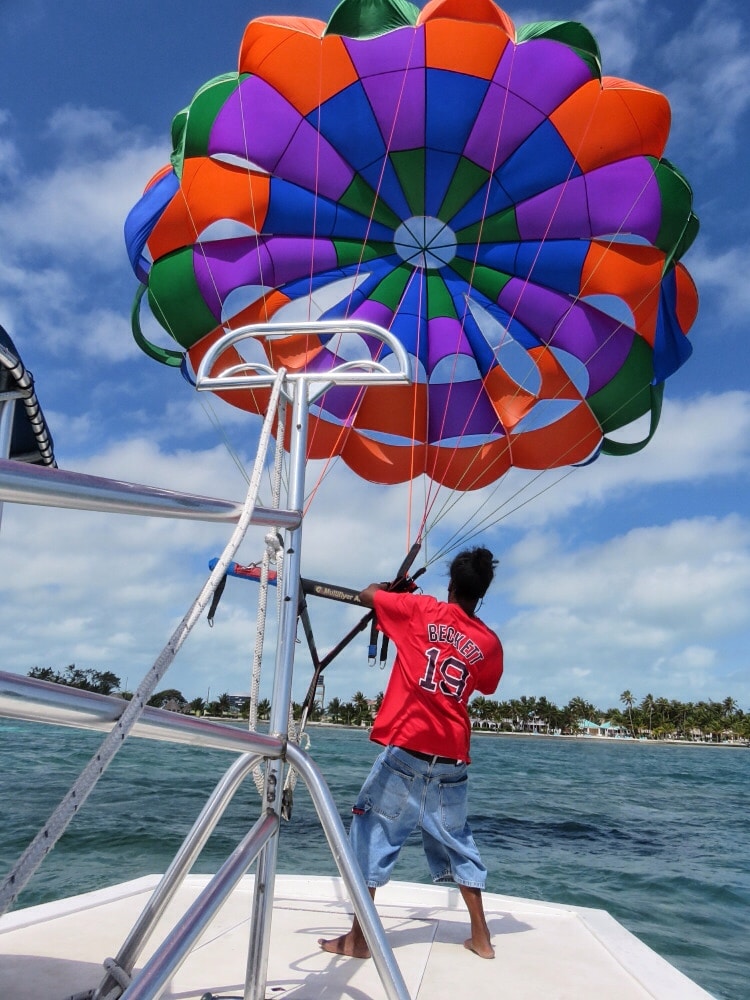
[{"x": 471, "y": 573}]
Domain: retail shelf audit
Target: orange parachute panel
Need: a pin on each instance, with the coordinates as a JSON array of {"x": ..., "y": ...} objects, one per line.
[
  {"x": 469, "y": 468},
  {"x": 322, "y": 66},
  {"x": 395, "y": 409},
  {"x": 575, "y": 437},
  {"x": 603, "y": 123},
  {"x": 252, "y": 400},
  {"x": 244, "y": 198},
  {"x": 509, "y": 400},
  {"x": 476, "y": 51},
  {"x": 687, "y": 298},
  {"x": 294, "y": 352},
  {"x": 380, "y": 463},
  {"x": 482, "y": 11},
  {"x": 632, "y": 273},
  {"x": 255, "y": 400}
]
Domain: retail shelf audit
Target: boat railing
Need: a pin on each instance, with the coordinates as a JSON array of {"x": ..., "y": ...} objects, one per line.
[
  {"x": 32, "y": 700},
  {"x": 221, "y": 370},
  {"x": 37, "y": 485}
]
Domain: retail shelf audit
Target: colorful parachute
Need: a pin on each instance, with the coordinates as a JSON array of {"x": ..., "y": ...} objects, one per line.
[{"x": 481, "y": 191}]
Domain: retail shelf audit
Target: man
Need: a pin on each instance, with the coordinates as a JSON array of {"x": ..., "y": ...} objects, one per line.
[{"x": 444, "y": 654}]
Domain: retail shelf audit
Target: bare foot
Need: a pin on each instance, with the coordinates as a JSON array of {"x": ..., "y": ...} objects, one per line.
[
  {"x": 482, "y": 950},
  {"x": 348, "y": 945}
]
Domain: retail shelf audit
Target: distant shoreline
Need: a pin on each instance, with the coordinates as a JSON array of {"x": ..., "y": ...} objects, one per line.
[
  {"x": 612, "y": 739},
  {"x": 567, "y": 736},
  {"x": 544, "y": 736}
]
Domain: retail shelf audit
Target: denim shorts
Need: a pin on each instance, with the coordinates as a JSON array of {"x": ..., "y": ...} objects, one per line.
[{"x": 403, "y": 793}]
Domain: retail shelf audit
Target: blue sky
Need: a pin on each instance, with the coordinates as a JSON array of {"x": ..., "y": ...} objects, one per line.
[{"x": 627, "y": 574}]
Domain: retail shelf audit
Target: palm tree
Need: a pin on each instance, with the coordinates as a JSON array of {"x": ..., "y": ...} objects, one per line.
[
  {"x": 546, "y": 712},
  {"x": 647, "y": 705},
  {"x": 361, "y": 708},
  {"x": 579, "y": 708},
  {"x": 479, "y": 708},
  {"x": 728, "y": 707},
  {"x": 334, "y": 709},
  {"x": 628, "y": 701},
  {"x": 264, "y": 708},
  {"x": 501, "y": 712},
  {"x": 527, "y": 709}
]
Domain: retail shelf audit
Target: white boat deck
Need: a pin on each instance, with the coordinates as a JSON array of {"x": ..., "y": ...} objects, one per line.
[{"x": 557, "y": 952}]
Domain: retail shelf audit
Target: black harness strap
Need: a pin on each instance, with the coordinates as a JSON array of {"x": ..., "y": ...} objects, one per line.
[{"x": 215, "y": 600}]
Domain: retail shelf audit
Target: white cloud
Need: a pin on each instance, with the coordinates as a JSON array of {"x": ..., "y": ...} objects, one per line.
[
  {"x": 710, "y": 100},
  {"x": 77, "y": 208},
  {"x": 141, "y": 460},
  {"x": 697, "y": 441},
  {"x": 84, "y": 133},
  {"x": 717, "y": 273},
  {"x": 104, "y": 334},
  {"x": 9, "y": 159},
  {"x": 62, "y": 225},
  {"x": 648, "y": 609},
  {"x": 614, "y": 25}
]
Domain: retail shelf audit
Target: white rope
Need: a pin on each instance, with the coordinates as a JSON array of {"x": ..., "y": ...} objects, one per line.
[
  {"x": 273, "y": 553},
  {"x": 58, "y": 822}
]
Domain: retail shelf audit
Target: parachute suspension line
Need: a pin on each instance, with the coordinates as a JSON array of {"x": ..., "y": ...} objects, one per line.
[
  {"x": 410, "y": 494},
  {"x": 475, "y": 459},
  {"x": 58, "y": 822},
  {"x": 435, "y": 490},
  {"x": 346, "y": 426},
  {"x": 217, "y": 424},
  {"x": 492, "y": 518},
  {"x": 316, "y": 183},
  {"x": 481, "y": 470},
  {"x": 494, "y": 515},
  {"x": 519, "y": 386},
  {"x": 579, "y": 295},
  {"x": 251, "y": 195},
  {"x": 316, "y": 188}
]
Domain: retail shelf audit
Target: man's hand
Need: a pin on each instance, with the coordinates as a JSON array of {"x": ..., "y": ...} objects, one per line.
[{"x": 367, "y": 596}]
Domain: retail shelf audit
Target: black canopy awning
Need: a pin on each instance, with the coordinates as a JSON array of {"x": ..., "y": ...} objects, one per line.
[{"x": 30, "y": 439}]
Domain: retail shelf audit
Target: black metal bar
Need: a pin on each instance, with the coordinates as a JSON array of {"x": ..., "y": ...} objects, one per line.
[{"x": 330, "y": 591}]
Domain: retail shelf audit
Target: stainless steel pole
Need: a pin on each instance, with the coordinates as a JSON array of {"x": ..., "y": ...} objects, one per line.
[
  {"x": 153, "y": 978},
  {"x": 48, "y": 487},
  {"x": 265, "y": 878}
]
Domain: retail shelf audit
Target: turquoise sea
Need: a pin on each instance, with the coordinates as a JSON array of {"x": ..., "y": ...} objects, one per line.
[{"x": 659, "y": 835}]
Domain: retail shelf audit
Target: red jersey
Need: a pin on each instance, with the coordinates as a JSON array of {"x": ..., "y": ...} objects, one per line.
[{"x": 443, "y": 655}]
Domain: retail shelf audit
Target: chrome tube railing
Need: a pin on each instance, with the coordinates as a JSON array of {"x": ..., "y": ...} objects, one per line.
[
  {"x": 40, "y": 701},
  {"x": 47, "y": 487},
  {"x": 170, "y": 955},
  {"x": 89, "y": 493},
  {"x": 171, "y": 880}
]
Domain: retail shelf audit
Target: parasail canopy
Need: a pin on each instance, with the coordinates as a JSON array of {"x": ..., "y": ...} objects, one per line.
[{"x": 480, "y": 190}]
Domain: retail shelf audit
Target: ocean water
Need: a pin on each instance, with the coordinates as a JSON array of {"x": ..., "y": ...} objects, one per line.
[{"x": 658, "y": 835}]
